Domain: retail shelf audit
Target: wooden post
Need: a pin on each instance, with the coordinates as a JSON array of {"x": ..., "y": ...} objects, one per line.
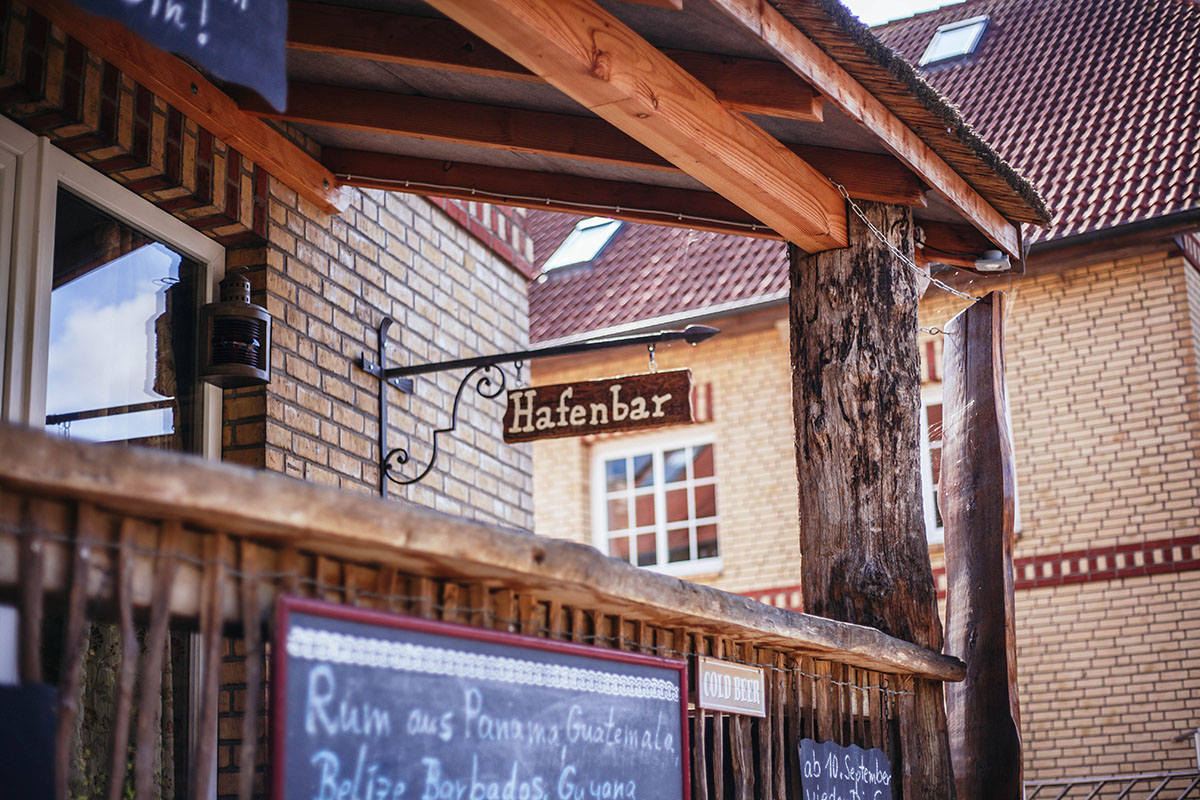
[
  {"x": 856, "y": 395},
  {"x": 976, "y": 498}
]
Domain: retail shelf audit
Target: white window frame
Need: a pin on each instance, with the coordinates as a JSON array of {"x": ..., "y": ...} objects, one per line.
[
  {"x": 655, "y": 444},
  {"x": 928, "y": 56},
  {"x": 27, "y": 264},
  {"x": 935, "y": 533},
  {"x": 558, "y": 258}
]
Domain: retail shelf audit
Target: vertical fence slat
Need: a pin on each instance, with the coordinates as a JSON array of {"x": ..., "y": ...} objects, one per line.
[
  {"x": 253, "y": 649},
  {"x": 451, "y": 600},
  {"x": 878, "y": 731},
  {"x": 32, "y": 564},
  {"x": 741, "y": 746},
  {"x": 149, "y": 704},
  {"x": 290, "y": 566},
  {"x": 762, "y": 727},
  {"x": 127, "y": 677},
  {"x": 385, "y": 587},
  {"x": 204, "y": 767},
  {"x": 502, "y": 616},
  {"x": 526, "y": 609},
  {"x": 74, "y": 644},
  {"x": 717, "y": 649},
  {"x": 700, "y": 759},
  {"x": 778, "y": 722},
  {"x": 424, "y": 594},
  {"x": 480, "y": 613},
  {"x": 554, "y": 619}
]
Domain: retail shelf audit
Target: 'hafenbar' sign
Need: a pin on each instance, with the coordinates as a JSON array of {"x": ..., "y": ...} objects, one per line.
[
  {"x": 725, "y": 686},
  {"x": 613, "y": 404}
]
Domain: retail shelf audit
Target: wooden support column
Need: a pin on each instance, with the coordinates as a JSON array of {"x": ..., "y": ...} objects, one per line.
[
  {"x": 977, "y": 505},
  {"x": 856, "y": 395}
]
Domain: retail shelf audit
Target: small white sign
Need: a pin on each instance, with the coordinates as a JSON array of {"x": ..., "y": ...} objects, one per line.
[{"x": 735, "y": 688}]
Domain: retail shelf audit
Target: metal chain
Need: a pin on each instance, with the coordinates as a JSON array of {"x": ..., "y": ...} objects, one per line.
[{"x": 896, "y": 252}]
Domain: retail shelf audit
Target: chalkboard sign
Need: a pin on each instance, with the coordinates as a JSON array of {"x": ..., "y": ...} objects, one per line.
[
  {"x": 829, "y": 771},
  {"x": 243, "y": 41},
  {"x": 374, "y": 706}
]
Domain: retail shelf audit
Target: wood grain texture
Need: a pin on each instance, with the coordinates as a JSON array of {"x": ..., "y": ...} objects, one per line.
[
  {"x": 186, "y": 89},
  {"x": 741, "y": 84},
  {"x": 127, "y": 676},
  {"x": 304, "y": 519},
  {"x": 591, "y": 56},
  {"x": 32, "y": 564},
  {"x": 152, "y": 663},
  {"x": 977, "y": 503},
  {"x": 252, "y": 647},
  {"x": 204, "y": 768},
  {"x": 856, "y": 394},
  {"x": 74, "y": 645},
  {"x": 829, "y": 78}
]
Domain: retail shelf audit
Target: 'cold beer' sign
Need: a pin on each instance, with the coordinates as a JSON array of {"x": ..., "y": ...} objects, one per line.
[{"x": 613, "y": 404}]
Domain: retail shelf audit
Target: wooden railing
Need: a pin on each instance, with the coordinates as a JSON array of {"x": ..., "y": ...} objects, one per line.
[{"x": 152, "y": 542}]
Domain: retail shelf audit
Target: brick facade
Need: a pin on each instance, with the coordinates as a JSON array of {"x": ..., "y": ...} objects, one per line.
[{"x": 1105, "y": 397}]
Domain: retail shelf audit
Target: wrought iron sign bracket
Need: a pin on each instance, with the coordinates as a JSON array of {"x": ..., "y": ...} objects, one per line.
[{"x": 491, "y": 382}]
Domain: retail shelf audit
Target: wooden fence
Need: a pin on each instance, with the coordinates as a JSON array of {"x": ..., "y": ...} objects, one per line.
[{"x": 153, "y": 542}]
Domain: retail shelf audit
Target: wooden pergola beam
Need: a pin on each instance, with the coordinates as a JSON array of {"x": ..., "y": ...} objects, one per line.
[
  {"x": 186, "y": 89},
  {"x": 866, "y": 176},
  {"x": 828, "y": 77},
  {"x": 741, "y": 84},
  {"x": 635, "y": 202},
  {"x": 595, "y": 59}
]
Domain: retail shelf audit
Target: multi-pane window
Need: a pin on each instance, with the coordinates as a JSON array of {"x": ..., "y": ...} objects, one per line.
[
  {"x": 954, "y": 39},
  {"x": 656, "y": 506}
]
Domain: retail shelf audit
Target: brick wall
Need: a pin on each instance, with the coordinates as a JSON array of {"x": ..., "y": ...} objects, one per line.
[
  {"x": 1103, "y": 385},
  {"x": 329, "y": 281}
]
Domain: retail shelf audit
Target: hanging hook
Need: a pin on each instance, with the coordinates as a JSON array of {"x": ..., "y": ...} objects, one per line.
[
  {"x": 519, "y": 365},
  {"x": 653, "y": 363}
]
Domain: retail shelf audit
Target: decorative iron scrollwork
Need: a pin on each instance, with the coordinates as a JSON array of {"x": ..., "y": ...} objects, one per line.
[{"x": 488, "y": 386}]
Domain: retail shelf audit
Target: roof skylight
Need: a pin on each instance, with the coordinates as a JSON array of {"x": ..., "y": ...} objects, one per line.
[
  {"x": 954, "y": 39},
  {"x": 584, "y": 243}
]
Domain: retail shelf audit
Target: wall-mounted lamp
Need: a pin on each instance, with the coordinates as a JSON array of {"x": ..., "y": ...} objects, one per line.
[{"x": 235, "y": 337}]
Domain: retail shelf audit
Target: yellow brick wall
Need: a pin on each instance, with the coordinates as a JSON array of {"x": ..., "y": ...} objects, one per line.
[
  {"x": 1102, "y": 381},
  {"x": 329, "y": 282}
]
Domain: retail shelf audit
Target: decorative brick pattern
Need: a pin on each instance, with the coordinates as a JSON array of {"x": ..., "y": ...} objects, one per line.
[
  {"x": 53, "y": 86},
  {"x": 501, "y": 228}
]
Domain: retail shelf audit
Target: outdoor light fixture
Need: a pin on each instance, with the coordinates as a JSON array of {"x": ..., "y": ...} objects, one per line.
[
  {"x": 992, "y": 261},
  {"x": 235, "y": 337}
]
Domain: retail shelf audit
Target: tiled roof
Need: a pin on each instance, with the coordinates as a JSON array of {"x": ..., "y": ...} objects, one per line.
[
  {"x": 1097, "y": 102},
  {"x": 645, "y": 271}
]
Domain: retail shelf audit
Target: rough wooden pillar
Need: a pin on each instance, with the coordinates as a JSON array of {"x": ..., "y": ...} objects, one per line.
[
  {"x": 856, "y": 396},
  {"x": 978, "y": 510}
]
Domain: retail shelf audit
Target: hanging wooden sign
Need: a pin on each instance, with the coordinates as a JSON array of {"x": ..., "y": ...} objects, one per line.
[
  {"x": 367, "y": 704},
  {"x": 631, "y": 402},
  {"x": 725, "y": 686}
]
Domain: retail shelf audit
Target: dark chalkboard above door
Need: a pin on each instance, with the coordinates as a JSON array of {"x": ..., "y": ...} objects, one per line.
[{"x": 368, "y": 705}]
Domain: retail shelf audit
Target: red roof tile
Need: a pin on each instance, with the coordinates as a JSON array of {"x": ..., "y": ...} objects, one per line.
[{"x": 1096, "y": 101}]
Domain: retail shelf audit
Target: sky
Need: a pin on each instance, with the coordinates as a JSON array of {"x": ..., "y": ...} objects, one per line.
[{"x": 874, "y": 12}]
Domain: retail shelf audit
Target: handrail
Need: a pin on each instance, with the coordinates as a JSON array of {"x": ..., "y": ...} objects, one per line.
[{"x": 278, "y": 510}]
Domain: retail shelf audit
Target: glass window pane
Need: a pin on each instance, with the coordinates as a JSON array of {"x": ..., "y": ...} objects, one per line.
[
  {"x": 679, "y": 546},
  {"x": 677, "y": 505},
  {"x": 643, "y": 470},
  {"x": 644, "y": 509},
  {"x": 614, "y": 475},
  {"x": 618, "y": 547},
  {"x": 618, "y": 514},
  {"x": 646, "y": 555},
  {"x": 702, "y": 462},
  {"x": 706, "y": 541},
  {"x": 675, "y": 466},
  {"x": 706, "y": 501},
  {"x": 121, "y": 363}
]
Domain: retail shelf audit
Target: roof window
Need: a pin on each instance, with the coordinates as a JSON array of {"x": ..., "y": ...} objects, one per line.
[
  {"x": 954, "y": 39},
  {"x": 584, "y": 243}
]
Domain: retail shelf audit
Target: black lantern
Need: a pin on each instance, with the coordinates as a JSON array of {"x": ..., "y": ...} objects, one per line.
[{"x": 235, "y": 337}]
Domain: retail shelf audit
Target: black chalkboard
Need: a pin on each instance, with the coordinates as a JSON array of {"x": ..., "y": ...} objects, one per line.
[
  {"x": 829, "y": 771},
  {"x": 243, "y": 41},
  {"x": 374, "y": 706}
]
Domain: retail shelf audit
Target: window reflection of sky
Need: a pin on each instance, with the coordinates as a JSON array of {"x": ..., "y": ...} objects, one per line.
[{"x": 103, "y": 344}]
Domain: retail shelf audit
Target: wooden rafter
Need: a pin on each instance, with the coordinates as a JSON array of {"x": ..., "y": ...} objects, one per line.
[
  {"x": 592, "y": 57},
  {"x": 828, "y": 77},
  {"x": 186, "y": 89},
  {"x": 741, "y": 84},
  {"x": 636, "y": 202},
  {"x": 867, "y": 176}
]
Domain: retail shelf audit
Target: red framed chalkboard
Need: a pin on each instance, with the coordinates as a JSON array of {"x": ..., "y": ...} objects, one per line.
[{"x": 369, "y": 705}]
